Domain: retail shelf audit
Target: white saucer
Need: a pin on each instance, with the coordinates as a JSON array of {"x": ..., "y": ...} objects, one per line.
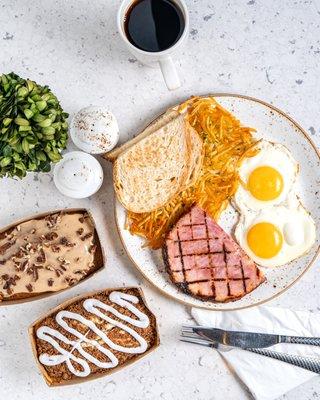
[{"x": 78, "y": 175}]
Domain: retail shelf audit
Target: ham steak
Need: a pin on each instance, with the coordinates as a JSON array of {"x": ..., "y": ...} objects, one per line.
[{"x": 205, "y": 262}]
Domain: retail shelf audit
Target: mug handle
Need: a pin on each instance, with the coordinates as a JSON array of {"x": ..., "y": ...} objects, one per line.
[{"x": 169, "y": 73}]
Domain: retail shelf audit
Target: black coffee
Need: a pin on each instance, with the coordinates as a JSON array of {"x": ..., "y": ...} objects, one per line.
[{"x": 154, "y": 25}]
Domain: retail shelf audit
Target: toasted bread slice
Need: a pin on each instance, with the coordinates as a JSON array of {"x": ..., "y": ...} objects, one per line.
[
  {"x": 157, "y": 124},
  {"x": 196, "y": 154},
  {"x": 150, "y": 173}
]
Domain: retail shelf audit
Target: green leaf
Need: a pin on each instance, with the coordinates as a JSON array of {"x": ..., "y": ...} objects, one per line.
[
  {"x": 22, "y": 92},
  {"x": 28, "y": 113},
  {"x": 5, "y": 161},
  {"x": 45, "y": 167},
  {"x": 45, "y": 123},
  {"x": 16, "y": 156},
  {"x": 18, "y": 148},
  {"x": 54, "y": 156},
  {"x": 4, "y": 79},
  {"x": 7, "y": 121},
  {"x": 64, "y": 125},
  {"x": 20, "y": 165},
  {"x": 32, "y": 166},
  {"x": 41, "y": 155},
  {"x": 46, "y": 96},
  {"x": 25, "y": 145},
  {"x": 21, "y": 121},
  {"x": 38, "y": 117},
  {"x": 30, "y": 85},
  {"x": 20, "y": 173},
  {"x": 33, "y": 108},
  {"x": 24, "y": 128},
  {"x": 49, "y": 138},
  {"x": 7, "y": 151},
  {"x": 48, "y": 131},
  {"x": 41, "y": 105},
  {"x": 36, "y": 98},
  {"x": 13, "y": 140}
]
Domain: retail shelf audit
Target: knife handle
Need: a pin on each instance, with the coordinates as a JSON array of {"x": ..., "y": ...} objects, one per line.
[
  {"x": 309, "y": 363},
  {"x": 313, "y": 341}
]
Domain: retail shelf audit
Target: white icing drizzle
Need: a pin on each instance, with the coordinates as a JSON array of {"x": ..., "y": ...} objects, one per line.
[{"x": 93, "y": 306}]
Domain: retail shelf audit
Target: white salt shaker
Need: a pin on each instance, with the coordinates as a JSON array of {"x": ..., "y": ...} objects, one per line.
[{"x": 94, "y": 130}]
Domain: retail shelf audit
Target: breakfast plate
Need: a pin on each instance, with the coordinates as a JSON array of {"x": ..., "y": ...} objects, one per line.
[{"x": 271, "y": 125}]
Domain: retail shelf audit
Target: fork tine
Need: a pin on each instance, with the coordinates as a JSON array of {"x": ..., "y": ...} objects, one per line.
[
  {"x": 196, "y": 341},
  {"x": 193, "y": 335},
  {"x": 193, "y": 326},
  {"x": 190, "y": 327},
  {"x": 189, "y": 330}
]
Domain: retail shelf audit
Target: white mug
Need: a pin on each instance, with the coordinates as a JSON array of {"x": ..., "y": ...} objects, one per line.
[{"x": 162, "y": 58}]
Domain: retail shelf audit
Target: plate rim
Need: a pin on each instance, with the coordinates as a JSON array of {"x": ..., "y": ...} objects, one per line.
[{"x": 203, "y": 306}]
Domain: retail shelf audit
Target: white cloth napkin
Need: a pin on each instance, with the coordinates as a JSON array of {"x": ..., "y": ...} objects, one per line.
[{"x": 266, "y": 378}]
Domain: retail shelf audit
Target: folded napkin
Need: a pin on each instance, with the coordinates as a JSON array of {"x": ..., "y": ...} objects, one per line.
[{"x": 266, "y": 378}]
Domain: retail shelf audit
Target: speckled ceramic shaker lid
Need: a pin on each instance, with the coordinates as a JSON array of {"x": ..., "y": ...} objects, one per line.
[
  {"x": 78, "y": 175},
  {"x": 94, "y": 130}
]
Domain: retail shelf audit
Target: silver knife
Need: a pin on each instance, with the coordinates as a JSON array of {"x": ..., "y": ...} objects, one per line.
[{"x": 251, "y": 339}]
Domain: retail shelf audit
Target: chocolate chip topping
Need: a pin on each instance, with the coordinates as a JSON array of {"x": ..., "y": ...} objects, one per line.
[
  {"x": 9, "y": 282},
  {"x": 65, "y": 242},
  {"x": 22, "y": 265},
  {"x": 29, "y": 287},
  {"x": 59, "y": 270},
  {"x": 41, "y": 257},
  {"x": 52, "y": 220},
  {"x": 55, "y": 248},
  {"x": 34, "y": 271},
  {"x": 70, "y": 281},
  {"x": 6, "y": 246},
  {"x": 51, "y": 236},
  {"x": 20, "y": 253},
  {"x": 87, "y": 236}
]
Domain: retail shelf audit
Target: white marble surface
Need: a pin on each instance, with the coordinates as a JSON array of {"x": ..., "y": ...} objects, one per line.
[{"x": 267, "y": 49}]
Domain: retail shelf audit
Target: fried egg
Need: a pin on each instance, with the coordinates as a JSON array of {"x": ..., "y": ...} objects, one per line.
[
  {"x": 276, "y": 236},
  {"x": 267, "y": 179}
]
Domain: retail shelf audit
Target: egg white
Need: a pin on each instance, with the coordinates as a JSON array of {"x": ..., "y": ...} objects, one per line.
[
  {"x": 297, "y": 228},
  {"x": 274, "y": 155}
]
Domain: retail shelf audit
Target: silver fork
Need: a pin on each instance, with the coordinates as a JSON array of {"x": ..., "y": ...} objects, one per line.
[{"x": 309, "y": 363}]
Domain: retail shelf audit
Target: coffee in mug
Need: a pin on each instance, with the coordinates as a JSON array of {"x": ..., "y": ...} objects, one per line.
[
  {"x": 154, "y": 31},
  {"x": 154, "y": 25}
]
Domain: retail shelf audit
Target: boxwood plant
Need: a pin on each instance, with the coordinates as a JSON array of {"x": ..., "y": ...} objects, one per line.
[{"x": 33, "y": 127}]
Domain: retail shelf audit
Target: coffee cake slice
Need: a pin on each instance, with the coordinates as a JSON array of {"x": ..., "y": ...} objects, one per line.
[
  {"x": 93, "y": 335},
  {"x": 47, "y": 253}
]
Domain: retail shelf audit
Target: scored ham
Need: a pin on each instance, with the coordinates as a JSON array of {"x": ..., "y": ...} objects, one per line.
[{"x": 205, "y": 262}]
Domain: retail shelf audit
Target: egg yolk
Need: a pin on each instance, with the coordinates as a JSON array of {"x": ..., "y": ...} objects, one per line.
[
  {"x": 265, "y": 183},
  {"x": 264, "y": 240}
]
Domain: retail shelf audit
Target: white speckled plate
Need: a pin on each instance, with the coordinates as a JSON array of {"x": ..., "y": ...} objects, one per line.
[{"x": 271, "y": 124}]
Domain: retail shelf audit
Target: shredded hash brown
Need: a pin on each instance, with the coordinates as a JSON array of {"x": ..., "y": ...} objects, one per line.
[{"x": 226, "y": 144}]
